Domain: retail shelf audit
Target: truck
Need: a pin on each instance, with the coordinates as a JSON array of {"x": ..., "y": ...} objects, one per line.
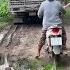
[{"x": 24, "y": 8}]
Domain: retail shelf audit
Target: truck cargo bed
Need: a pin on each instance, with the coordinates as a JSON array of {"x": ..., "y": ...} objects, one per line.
[{"x": 24, "y": 5}]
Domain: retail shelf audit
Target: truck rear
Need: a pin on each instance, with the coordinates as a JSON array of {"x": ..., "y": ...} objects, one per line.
[{"x": 24, "y": 7}]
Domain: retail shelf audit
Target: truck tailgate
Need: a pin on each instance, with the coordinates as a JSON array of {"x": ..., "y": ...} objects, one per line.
[{"x": 24, "y": 5}]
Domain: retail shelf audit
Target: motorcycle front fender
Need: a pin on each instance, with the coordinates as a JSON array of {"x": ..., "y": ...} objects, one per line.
[{"x": 57, "y": 49}]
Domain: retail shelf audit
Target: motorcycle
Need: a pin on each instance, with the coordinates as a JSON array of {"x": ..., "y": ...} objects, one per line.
[{"x": 54, "y": 41}]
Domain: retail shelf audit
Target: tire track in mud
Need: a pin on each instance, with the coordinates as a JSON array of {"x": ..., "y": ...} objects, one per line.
[
  {"x": 24, "y": 40},
  {"x": 16, "y": 37},
  {"x": 9, "y": 35}
]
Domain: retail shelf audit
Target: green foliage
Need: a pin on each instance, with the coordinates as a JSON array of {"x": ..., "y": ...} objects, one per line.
[
  {"x": 67, "y": 16},
  {"x": 68, "y": 12},
  {"x": 4, "y": 8},
  {"x": 2, "y": 25},
  {"x": 4, "y": 12},
  {"x": 48, "y": 67},
  {"x": 29, "y": 64},
  {"x": 65, "y": 1}
]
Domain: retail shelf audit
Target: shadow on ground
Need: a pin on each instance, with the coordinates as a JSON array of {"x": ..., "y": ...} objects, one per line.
[
  {"x": 64, "y": 63},
  {"x": 31, "y": 21}
]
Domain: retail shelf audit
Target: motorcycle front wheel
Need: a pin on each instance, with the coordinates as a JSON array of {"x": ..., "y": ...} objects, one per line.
[{"x": 56, "y": 58}]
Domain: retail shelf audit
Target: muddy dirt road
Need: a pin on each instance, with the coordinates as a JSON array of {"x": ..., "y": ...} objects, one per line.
[{"x": 24, "y": 42}]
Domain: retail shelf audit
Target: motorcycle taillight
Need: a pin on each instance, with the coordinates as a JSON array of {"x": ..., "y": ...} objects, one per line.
[{"x": 55, "y": 30}]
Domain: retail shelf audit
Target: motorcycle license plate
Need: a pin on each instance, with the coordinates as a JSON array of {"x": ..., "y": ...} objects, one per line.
[{"x": 56, "y": 41}]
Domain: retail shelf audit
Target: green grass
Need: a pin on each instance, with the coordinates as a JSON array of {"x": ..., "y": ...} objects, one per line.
[
  {"x": 35, "y": 65},
  {"x": 48, "y": 67},
  {"x": 4, "y": 21},
  {"x": 67, "y": 16},
  {"x": 67, "y": 13},
  {"x": 4, "y": 13},
  {"x": 3, "y": 24},
  {"x": 29, "y": 64}
]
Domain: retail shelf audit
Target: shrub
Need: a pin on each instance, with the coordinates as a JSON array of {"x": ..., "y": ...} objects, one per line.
[{"x": 4, "y": 8}]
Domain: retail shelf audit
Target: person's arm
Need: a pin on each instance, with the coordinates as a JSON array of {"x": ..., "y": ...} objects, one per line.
[
  {"x": 66, "y": 6},
  {"x": 62, "y": 9},
  {"x": 40, "y": 11}
]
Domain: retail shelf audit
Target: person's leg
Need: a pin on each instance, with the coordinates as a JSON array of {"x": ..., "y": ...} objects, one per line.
[
  {"x": 64, "y": 38},
  {"x": 41, "y": 42}
]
